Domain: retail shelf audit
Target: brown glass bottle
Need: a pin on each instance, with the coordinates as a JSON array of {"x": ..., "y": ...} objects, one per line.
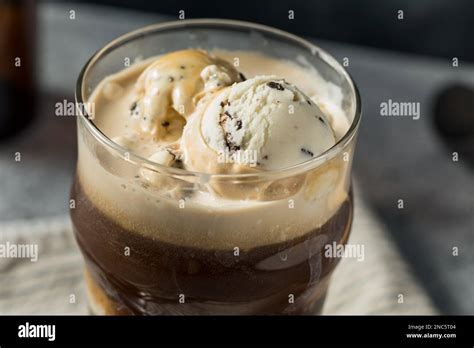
[{"x": 17, "y": 93}]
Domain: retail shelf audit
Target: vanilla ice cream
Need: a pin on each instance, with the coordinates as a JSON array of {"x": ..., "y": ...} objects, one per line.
[
  {"x": 167, "y": 90},
  {"x": 263, "y": 122}
]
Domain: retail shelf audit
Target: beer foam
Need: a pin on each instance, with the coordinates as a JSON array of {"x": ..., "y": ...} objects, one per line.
[{"x": 189, "y": 213}]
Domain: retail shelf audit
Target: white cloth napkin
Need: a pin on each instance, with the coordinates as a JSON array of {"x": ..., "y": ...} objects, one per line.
[{"x": 380, "y": 284}]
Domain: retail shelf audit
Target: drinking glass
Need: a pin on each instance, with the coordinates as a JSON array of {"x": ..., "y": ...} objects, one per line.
[{"x": 149, "y": 252}]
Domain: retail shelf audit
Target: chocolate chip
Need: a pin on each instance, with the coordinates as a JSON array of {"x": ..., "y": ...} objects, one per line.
[
  {"x": 228, "y": 114},
  {"x": 178, "y": 164},
  {"x": 307, "y": 152},
  {"x": 223, "y": 103},
  {"x": 165, "y": 124},
  {"x": 182, "y": 67},
  {"x": 171, "y": 79},
  {"x": 242, "y": 77},
  {"x": 230, "y": 144},
  {"x": 133, "y": 106},
  {"x": 275, "y": 85},
  {"x": 321, "y": 120},
  {"x": 239, "y": 124},
  {"x": 265, "y": 157},
  {"x": 172, "y": 154},
  {"x": 222, "y": 120},
  {"x": 308, "y": 101}
]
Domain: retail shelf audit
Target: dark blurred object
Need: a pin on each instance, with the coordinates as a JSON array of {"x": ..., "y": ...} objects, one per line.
[
  {"x": 454, "y": 119},
  {"x": 16, "y": 65}
]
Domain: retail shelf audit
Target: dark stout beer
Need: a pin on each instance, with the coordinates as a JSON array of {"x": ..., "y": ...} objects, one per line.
[{"x": 162, "y": 278}]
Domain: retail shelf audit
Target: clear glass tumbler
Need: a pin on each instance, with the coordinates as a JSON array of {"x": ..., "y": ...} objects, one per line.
[{"x": 148, "y": 253}]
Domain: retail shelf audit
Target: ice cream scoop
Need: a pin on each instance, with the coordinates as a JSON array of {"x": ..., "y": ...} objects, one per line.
[
  {"x": 167, "y": 90},
  {"x": 263, "y": 123}
]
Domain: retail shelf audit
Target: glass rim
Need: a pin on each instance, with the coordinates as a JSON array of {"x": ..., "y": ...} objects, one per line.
[{"x": 231, "y": 24}]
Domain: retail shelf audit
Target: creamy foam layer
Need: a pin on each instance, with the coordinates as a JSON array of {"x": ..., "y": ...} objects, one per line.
[{"x": 192, "y": 214}]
